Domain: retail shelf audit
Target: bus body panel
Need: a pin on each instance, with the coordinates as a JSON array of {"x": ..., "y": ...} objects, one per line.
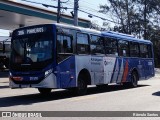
[
  {"x": 82, "y": 62},
  {"x": 100, "y": 68},
  {"x": 66, "y": 74},
  {"x": 103, "y": 70}
]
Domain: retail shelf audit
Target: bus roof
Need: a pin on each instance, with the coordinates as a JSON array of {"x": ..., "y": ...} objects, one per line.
[
  {"x": 124, "y": 37},
  {"x": 111, "y": 34},
  {"x": 79, "y": 28},
  {"x": 106, "y": 33}
]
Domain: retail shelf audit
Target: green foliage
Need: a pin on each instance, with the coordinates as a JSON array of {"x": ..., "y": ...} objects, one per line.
[{"x": 140, "y": 18}]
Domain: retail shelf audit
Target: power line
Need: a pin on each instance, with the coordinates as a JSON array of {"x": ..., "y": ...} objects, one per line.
[
  {"x": 83, "y": 7},
  {"x": 46, "y": 5},
  {"x": 71, "y": 8},
  {"x": 98, "y": 17},
  {"x": 90, "y": 4},
  {"x": 86, "y": 8}
]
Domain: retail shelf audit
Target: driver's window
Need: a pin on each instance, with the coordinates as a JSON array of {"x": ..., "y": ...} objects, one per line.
[{"x": 40, "y": 50}]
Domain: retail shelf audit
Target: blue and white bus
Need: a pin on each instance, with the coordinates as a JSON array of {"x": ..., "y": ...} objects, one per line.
[{"x": 56, "y": 56}]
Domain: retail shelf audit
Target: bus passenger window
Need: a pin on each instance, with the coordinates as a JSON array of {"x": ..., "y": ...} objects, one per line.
[
  {"x": 134, "y": 49},
  {"x": 64, "y": 44},
  {"x": 64, "y": 47},
  {"x": 111, "y": 46},
  {"x": 97, "y": 46},
  {"x": 143, "y": 51},
  {"x": 123, "y": 48},
  {"x": 82, "y": 43}
]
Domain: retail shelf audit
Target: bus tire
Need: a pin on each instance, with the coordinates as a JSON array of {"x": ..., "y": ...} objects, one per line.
[
  {"x": 103, "y": 86},
  {"x": 81, "y": 87},
  {"x": 134, "y": 80},
  {"x": 44, "y": 91}
]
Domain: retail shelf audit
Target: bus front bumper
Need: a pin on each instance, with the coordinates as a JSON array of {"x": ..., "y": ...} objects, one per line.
[{"x": 49, "y": 82}]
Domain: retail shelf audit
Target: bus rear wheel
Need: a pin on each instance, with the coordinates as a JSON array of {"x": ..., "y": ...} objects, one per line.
[
  {"x": 44, "y": 91},
  {"x": 134, "y": 80}
]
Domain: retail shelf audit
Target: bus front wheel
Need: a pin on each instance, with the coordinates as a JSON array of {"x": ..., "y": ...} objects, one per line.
[
  {"x": 44, "y": 91},
  {"x": 81, "y": 87}
]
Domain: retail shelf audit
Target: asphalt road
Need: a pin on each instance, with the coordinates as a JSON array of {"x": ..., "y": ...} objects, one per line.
[{"x": 146, "y": 97}]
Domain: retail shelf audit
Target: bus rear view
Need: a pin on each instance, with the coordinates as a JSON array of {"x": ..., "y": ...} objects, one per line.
[{"x": 32, "y": 58}]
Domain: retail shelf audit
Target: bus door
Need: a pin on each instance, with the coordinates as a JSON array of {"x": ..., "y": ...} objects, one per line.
[
  {"x": 150, "y": 61},
  {"x": 148, "y": 68},
  {"x": 64, "y": 59},
  {"x": 66, "y": 73},
  {"x": 142, "y": 68},
  {"x": 97, "y": 51}
]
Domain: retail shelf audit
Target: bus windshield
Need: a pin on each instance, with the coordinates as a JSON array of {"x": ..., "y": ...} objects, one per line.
[{"x": 32, "y": 50}]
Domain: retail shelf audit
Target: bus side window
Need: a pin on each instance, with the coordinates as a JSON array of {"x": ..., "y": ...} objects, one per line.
[
  {"x": 82, "y": 43},
  {"x": 111, "y": 46},
  {"x": 134, "y": 49},
  {"x": 64, "y": 44},
  {"x": 123, "y": 47},
  {"x": 64, "y": 47},
  {"x": 97, "y": 46},
  {"x": 143, "y": 51}
]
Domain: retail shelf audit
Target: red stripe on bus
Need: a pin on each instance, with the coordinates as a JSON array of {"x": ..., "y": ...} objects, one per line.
[{"x": 125, "y": 73}]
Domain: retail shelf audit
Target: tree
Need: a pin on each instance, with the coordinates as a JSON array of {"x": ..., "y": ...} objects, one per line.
[
  {"x": 121, "y": 12},
  {"x": 140, "y": 18},
  {"x": 133, "y": 16}
]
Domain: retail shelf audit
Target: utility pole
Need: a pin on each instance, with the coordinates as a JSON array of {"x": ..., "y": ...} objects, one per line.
[
  {"x": 76, "y": 12},
  {"x": 59, "y": 11},
  {"x": 145, "y": 19}
]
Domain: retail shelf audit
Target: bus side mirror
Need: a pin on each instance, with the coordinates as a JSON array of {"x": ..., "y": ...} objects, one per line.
[{"x": 65, "y": 44}]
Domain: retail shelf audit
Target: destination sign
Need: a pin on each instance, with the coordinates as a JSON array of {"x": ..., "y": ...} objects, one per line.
[{"x": 31, "y": 31}]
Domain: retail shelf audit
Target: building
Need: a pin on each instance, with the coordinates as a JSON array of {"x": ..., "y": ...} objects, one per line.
[{"x": 14, "y": 15}]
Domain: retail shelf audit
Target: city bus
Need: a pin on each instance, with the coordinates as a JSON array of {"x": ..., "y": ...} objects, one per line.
[{"x": 57, "y": 56}]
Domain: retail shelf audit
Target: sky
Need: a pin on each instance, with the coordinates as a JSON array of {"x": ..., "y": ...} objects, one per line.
[{"x": 90, "y": 6}]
